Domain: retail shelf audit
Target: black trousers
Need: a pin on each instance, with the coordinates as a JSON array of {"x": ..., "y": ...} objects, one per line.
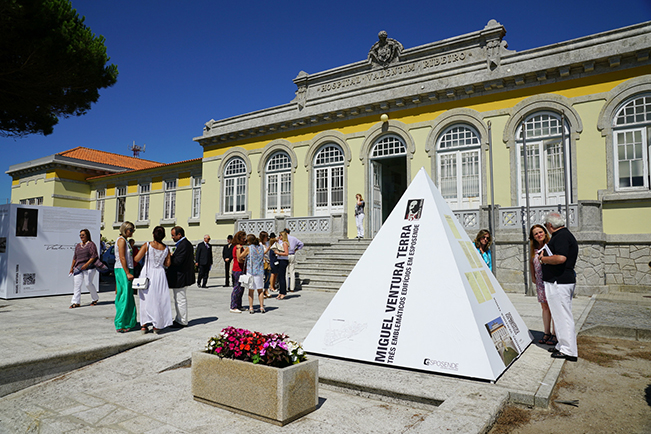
[
  {"x": 204, "y": 270},
  {"x": 227, "y": 272}
]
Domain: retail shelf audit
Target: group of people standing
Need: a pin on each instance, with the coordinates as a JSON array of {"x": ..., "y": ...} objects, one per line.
[
  {"x": 162, "y": 269},
  {"x": 258, "y": 264},
  {"x": 553, "y": 255}
]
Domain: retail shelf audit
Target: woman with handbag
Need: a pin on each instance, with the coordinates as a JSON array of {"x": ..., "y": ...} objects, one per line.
[
  {"x": 83, "y": 269},
  {"x": 238, "y": 291},
  {"x": 254, "y": 256},
  {"x": 125, "y": 306},
  {"x": 154, "y": 292}
]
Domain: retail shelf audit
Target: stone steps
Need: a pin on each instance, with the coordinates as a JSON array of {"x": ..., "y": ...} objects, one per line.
[{"x": 327, "y": 267}]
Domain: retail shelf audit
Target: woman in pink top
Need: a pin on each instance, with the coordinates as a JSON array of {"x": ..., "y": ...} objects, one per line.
[{"x": 83, "y": 269}]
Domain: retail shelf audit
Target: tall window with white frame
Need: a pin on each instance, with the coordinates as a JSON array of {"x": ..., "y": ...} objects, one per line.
[
  {"x": 121, "y": 203},
  {"x": 279, "y": 184},
  {"x": 547, "y": 158},
  {"x": 632, "y": 144},
  {"x": 100, "y": 196},
  {"x": 196, "y": 197},
  {"x": 235, "y": 186},
  {"x": 169, "y": 208},
  {"x": 328, "y": 180},
  {"x": 459, "y": 168},
  {"x": 143, "y": 202}
]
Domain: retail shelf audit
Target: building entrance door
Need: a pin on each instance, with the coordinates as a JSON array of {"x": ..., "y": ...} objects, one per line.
[{"x": 388, "y": 182}]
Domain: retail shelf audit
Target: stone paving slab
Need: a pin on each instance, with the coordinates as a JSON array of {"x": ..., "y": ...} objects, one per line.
[{"x": 136, "y": 391}]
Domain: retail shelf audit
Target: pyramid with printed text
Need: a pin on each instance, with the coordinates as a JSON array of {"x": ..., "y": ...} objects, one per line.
[{"x": 421, "y": 297}]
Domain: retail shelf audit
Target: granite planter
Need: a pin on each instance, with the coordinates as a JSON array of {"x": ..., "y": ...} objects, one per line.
[{"x": 273, "y": 395}]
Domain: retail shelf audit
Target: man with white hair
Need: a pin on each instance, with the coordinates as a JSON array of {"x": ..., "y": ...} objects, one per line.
[{"x": 560, "y": 281}]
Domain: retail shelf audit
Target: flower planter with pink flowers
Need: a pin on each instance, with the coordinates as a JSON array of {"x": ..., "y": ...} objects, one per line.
[{"x": 266, "y": 377}]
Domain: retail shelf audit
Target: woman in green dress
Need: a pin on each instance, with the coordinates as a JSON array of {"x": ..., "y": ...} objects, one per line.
[{"x": 125, "y": 306}]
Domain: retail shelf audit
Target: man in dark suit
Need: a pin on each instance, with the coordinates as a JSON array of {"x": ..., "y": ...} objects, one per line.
[
  {"x": 180, "y": 275},
  {"x": 203, "y": 260},
  {"x": 227, "y": 255}
]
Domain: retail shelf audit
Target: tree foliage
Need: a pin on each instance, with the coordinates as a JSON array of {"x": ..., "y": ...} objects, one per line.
[{"x": 51, "y": 65}]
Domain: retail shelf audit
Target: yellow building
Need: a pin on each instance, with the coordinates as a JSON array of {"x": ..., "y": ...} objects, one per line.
[{"x": 457, "y": 107}]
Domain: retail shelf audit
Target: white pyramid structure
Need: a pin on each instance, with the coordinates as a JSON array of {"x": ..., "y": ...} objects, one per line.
[{"x": 421, "y": 297}]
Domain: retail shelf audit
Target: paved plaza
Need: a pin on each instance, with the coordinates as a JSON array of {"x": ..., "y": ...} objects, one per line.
[{"x": 141, "y": 383}]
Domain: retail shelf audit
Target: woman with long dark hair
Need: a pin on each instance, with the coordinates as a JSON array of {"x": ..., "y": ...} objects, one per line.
[
  {"x": 538, "y": 237},
  {"x": 483, "y": 243},
  {"x": 155, "y": 304},
  {"x": 239, "y": 239}
]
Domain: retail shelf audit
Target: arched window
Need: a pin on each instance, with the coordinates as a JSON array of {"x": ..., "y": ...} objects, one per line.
[
  {"x": 547, "y": 158},
  {"x": 388, "y": 146},
  {"x": 631, "y": 128},
  {"x": 459, "y": 168},
  {"x": 328, "y": 180},
  {"x": 279, "y": 184},
  {"x": 235, "y": 186}
]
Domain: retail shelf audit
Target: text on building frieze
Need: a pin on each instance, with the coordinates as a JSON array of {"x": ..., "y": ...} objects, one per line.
[{"x": 386, "y": 73}]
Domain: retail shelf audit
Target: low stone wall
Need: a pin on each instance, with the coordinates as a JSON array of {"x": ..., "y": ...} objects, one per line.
[{"x": 627, "y": 267}]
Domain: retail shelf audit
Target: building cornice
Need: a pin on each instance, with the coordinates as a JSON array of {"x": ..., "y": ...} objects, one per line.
[{"x": 475, "y": 64}]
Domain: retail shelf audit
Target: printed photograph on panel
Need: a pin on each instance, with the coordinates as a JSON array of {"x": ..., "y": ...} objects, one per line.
[
  {"x": 26, "y": 222},
  {"x": 502, "y": 340}
]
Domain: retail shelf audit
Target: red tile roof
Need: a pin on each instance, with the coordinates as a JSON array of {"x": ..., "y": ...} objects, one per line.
[
  {"x": 131, "y": 171},
  {"x": 87, "y": 154}
]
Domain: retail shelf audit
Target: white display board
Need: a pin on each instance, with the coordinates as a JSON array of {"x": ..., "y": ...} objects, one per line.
[
  {"x": 36, "y": 248},
  {"x": 421, "y": 297}
]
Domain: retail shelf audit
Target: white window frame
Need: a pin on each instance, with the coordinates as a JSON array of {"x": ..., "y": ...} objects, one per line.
[
  {"x": 169, "y": 206},
  {"x": 100, "y": 196},
  {"x": 328, "y": 174},
  {"x": 32, "y": 201},
  {"x": 633, "y": 116},
  {"x": 120, "y": 203},
  {"x": 234, "y": 201},
  {"x": 143, "y": 201},
  {"x": 542, "y": 137},
  {"x": 458, "y": 162},
  {"x": 278, "y": 191},
  {"x": 196, "y": 197},
  {"x": 389, "y": 146}
]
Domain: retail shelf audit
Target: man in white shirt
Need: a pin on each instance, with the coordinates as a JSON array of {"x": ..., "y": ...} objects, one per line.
[{"x": 294, "y": 245}]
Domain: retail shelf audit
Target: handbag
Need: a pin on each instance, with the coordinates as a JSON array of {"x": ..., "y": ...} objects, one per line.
[{"x": 141, "y": 283}]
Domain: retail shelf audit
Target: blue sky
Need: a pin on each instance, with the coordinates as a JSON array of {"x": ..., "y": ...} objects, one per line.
[{"x": 183, "y": 63}]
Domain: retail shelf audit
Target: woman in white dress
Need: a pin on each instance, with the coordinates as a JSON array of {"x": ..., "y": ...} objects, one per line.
[{"x": 155, "y": 305}]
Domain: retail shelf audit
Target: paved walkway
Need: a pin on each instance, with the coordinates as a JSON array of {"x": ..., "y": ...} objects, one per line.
[{"x": 147, "y": 388}]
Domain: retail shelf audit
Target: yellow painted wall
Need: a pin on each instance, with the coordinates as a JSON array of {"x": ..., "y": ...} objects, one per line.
[
  {"x": 627, "y": 218},
  {"x": 33, "y": 188},
  {"x": 70, "y": 203},
  {"x": 356, "y": 176},
  {"x": 69, "y": 188},
  {"x": 501, "y": 163},
  {"x": 421, "y": 159},
  {"x": 591, "y": 152}
]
